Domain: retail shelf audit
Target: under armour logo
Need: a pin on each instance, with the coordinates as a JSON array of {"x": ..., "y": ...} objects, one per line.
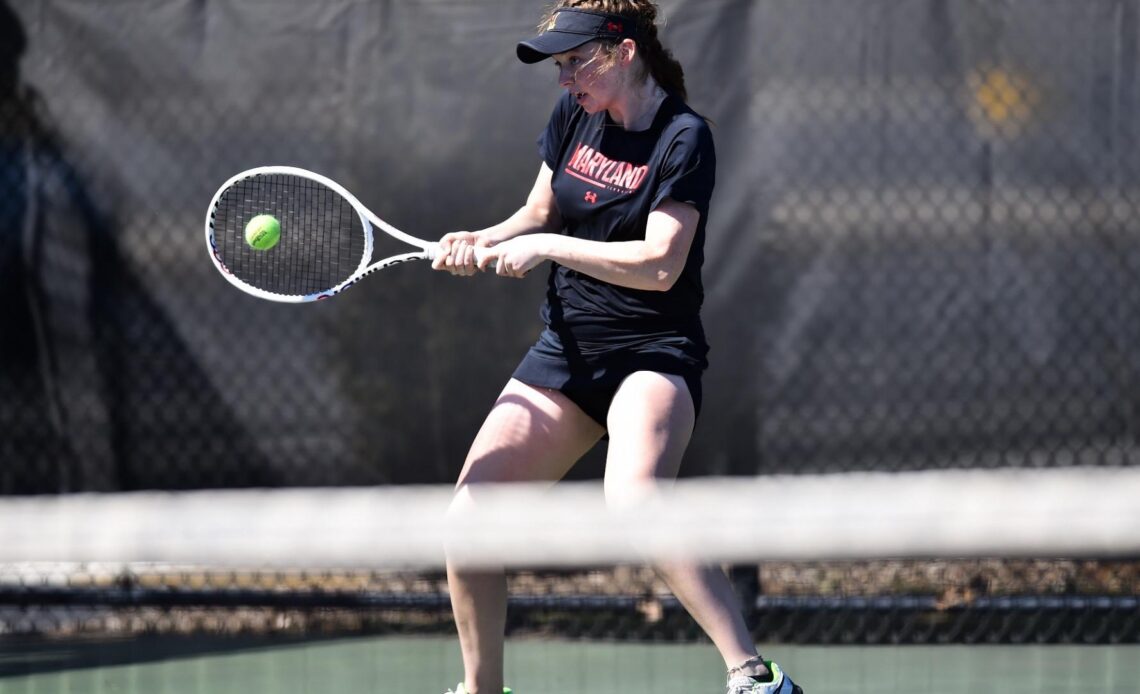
[
  {"x": 613, "y": 27},
  {"x": 591, "y": 197}
]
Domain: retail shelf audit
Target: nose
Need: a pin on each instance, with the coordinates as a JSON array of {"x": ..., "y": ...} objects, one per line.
[{"x": 565, "y": 76}]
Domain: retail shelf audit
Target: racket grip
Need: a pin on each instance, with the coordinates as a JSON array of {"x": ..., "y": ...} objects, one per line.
[{"x": 433, "y": 252}]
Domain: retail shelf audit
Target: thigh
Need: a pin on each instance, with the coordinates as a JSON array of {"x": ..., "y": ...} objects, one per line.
[
  {"x": 650, "y": 424},
  {"x": 532, "y": 434}
]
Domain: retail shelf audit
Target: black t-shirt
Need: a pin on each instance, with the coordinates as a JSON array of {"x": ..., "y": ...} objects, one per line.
[{"x": 606, "y": 182}]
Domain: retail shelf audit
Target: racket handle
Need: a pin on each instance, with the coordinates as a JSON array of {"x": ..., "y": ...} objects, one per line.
[{"x": 480, "y": 253}]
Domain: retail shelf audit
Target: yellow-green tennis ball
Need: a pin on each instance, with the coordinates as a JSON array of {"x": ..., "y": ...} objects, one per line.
[{"x": 263, "y": 232}]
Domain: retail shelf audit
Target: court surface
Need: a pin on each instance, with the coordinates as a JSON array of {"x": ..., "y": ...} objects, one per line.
[{"x": 429, "y": 665}]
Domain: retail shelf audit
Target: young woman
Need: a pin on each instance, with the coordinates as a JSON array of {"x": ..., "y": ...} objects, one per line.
[{"x": 619, "y": 208}]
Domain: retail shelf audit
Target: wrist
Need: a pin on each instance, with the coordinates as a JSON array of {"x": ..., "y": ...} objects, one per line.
[{"x": 548, "y": 245}]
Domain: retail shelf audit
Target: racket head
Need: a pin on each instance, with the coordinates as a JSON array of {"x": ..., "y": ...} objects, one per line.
[{"x": 326, "y": 236}]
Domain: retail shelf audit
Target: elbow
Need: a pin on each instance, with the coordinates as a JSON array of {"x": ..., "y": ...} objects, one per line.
[
  {"x": 665, "y": 275},
  {"x": 663, "y": 281},
  {"x": 543, "y": 217},
  {"x": 665, "y": 260}
]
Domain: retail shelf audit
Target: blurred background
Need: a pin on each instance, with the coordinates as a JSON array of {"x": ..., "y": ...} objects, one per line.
[
  {"x": 923, "y": 250},
  {"x": 923, "y": 253}
]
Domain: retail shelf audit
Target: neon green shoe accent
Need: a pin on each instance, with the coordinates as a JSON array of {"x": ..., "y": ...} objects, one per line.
[
  {"x": 778, "y": 684},
  {"x": 773, "y": 668}
]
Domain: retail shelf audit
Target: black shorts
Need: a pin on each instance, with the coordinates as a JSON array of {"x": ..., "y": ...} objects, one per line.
[{"x": 590, "y": 373}]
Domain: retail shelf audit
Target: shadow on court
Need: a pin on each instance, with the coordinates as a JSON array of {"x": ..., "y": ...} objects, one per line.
[{"x": 22, "y": 656}]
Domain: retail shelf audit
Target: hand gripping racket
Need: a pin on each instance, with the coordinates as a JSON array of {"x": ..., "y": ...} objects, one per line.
[{"x": 326, "y": 236}]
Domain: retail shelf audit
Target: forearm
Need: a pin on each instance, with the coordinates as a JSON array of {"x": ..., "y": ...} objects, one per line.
[
  {"x": 526, "y": 220},
  {"x": 633, "y": 264},
  {"x": 538, "y": 215},
  {"x": 653, "y": 263}
]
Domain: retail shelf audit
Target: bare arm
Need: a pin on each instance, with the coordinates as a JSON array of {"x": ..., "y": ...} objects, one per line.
[
  {"x": 538, "y": 215},
  {"x": 653, "y": 264}
]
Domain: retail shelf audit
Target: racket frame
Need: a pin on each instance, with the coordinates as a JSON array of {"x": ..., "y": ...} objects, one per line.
[{"x": 368, "y": 221}]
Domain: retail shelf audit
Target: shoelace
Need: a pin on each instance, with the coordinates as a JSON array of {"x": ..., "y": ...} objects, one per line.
[{"x": 739, "y": 686}]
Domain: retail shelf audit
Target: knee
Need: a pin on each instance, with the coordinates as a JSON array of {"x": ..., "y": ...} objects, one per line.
[
  {"x": 463, "y": 504},
  {"x": 458, "y": 519},
  {"x": 626, "y": 493}
]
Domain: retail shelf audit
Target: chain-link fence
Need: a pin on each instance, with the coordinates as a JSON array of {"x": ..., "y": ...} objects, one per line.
[{"x": 924, "y": 248}]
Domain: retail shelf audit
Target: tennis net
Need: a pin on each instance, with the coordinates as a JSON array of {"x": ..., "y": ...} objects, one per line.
[{"x": 924, "y": 557}]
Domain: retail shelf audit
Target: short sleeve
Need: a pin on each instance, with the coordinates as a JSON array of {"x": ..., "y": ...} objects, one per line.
[
  {"x": 551, "y": 140},
  {"x": 688, "y": 167}
]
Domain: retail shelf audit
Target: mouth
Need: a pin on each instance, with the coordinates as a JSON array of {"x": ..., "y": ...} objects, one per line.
[{"x": 579, "y": 96}]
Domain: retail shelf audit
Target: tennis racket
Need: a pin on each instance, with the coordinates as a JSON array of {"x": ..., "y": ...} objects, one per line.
[{"x": 326, "y": 236}]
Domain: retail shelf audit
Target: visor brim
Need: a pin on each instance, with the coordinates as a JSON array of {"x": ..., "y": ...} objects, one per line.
[{"x": 544, "y": 45}]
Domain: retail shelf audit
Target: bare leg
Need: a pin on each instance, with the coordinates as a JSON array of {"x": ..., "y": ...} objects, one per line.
[
  {"x": 530, "y": 435},
  {"x": 650, "y": 423},
  {"x": 707, "y": 594},
  {"x": 479, "y": 603}
]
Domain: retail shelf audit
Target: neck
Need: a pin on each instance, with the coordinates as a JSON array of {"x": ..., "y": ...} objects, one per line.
[{"x": 639, "y": 108}]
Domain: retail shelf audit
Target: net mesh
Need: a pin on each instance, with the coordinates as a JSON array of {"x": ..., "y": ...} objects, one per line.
[{"x": 920, "y": 558}]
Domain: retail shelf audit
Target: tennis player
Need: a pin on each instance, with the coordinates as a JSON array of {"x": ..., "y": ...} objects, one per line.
[{"x": 619, "y": 208}]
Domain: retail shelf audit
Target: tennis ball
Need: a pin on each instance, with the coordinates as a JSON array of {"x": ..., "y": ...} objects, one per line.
[{"x": 263, "y": 232}]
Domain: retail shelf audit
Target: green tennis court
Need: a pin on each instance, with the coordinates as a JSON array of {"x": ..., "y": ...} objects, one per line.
[{"x": 174, "y": 665}]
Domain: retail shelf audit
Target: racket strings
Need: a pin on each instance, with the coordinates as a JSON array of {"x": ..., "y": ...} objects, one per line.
[{"x": 322, "y": 238}]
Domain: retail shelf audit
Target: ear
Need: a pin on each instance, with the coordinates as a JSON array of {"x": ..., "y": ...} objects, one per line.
[{"x": 627, "y": 51}]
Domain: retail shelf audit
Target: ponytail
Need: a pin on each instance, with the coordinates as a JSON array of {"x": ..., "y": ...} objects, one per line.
[{"x": 663, "y": 67}]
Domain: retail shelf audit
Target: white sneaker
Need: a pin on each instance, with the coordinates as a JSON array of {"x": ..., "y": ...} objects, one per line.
[
  {"x": 780, "y": 684},
  {"x": 460, "y": 689}
]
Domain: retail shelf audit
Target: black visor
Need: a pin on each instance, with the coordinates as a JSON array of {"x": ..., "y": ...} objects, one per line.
[{"x": 572, "y": 28}]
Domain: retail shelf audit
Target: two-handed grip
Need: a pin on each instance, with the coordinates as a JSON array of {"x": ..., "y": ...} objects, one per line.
[{"x": 480, "y": 253}]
